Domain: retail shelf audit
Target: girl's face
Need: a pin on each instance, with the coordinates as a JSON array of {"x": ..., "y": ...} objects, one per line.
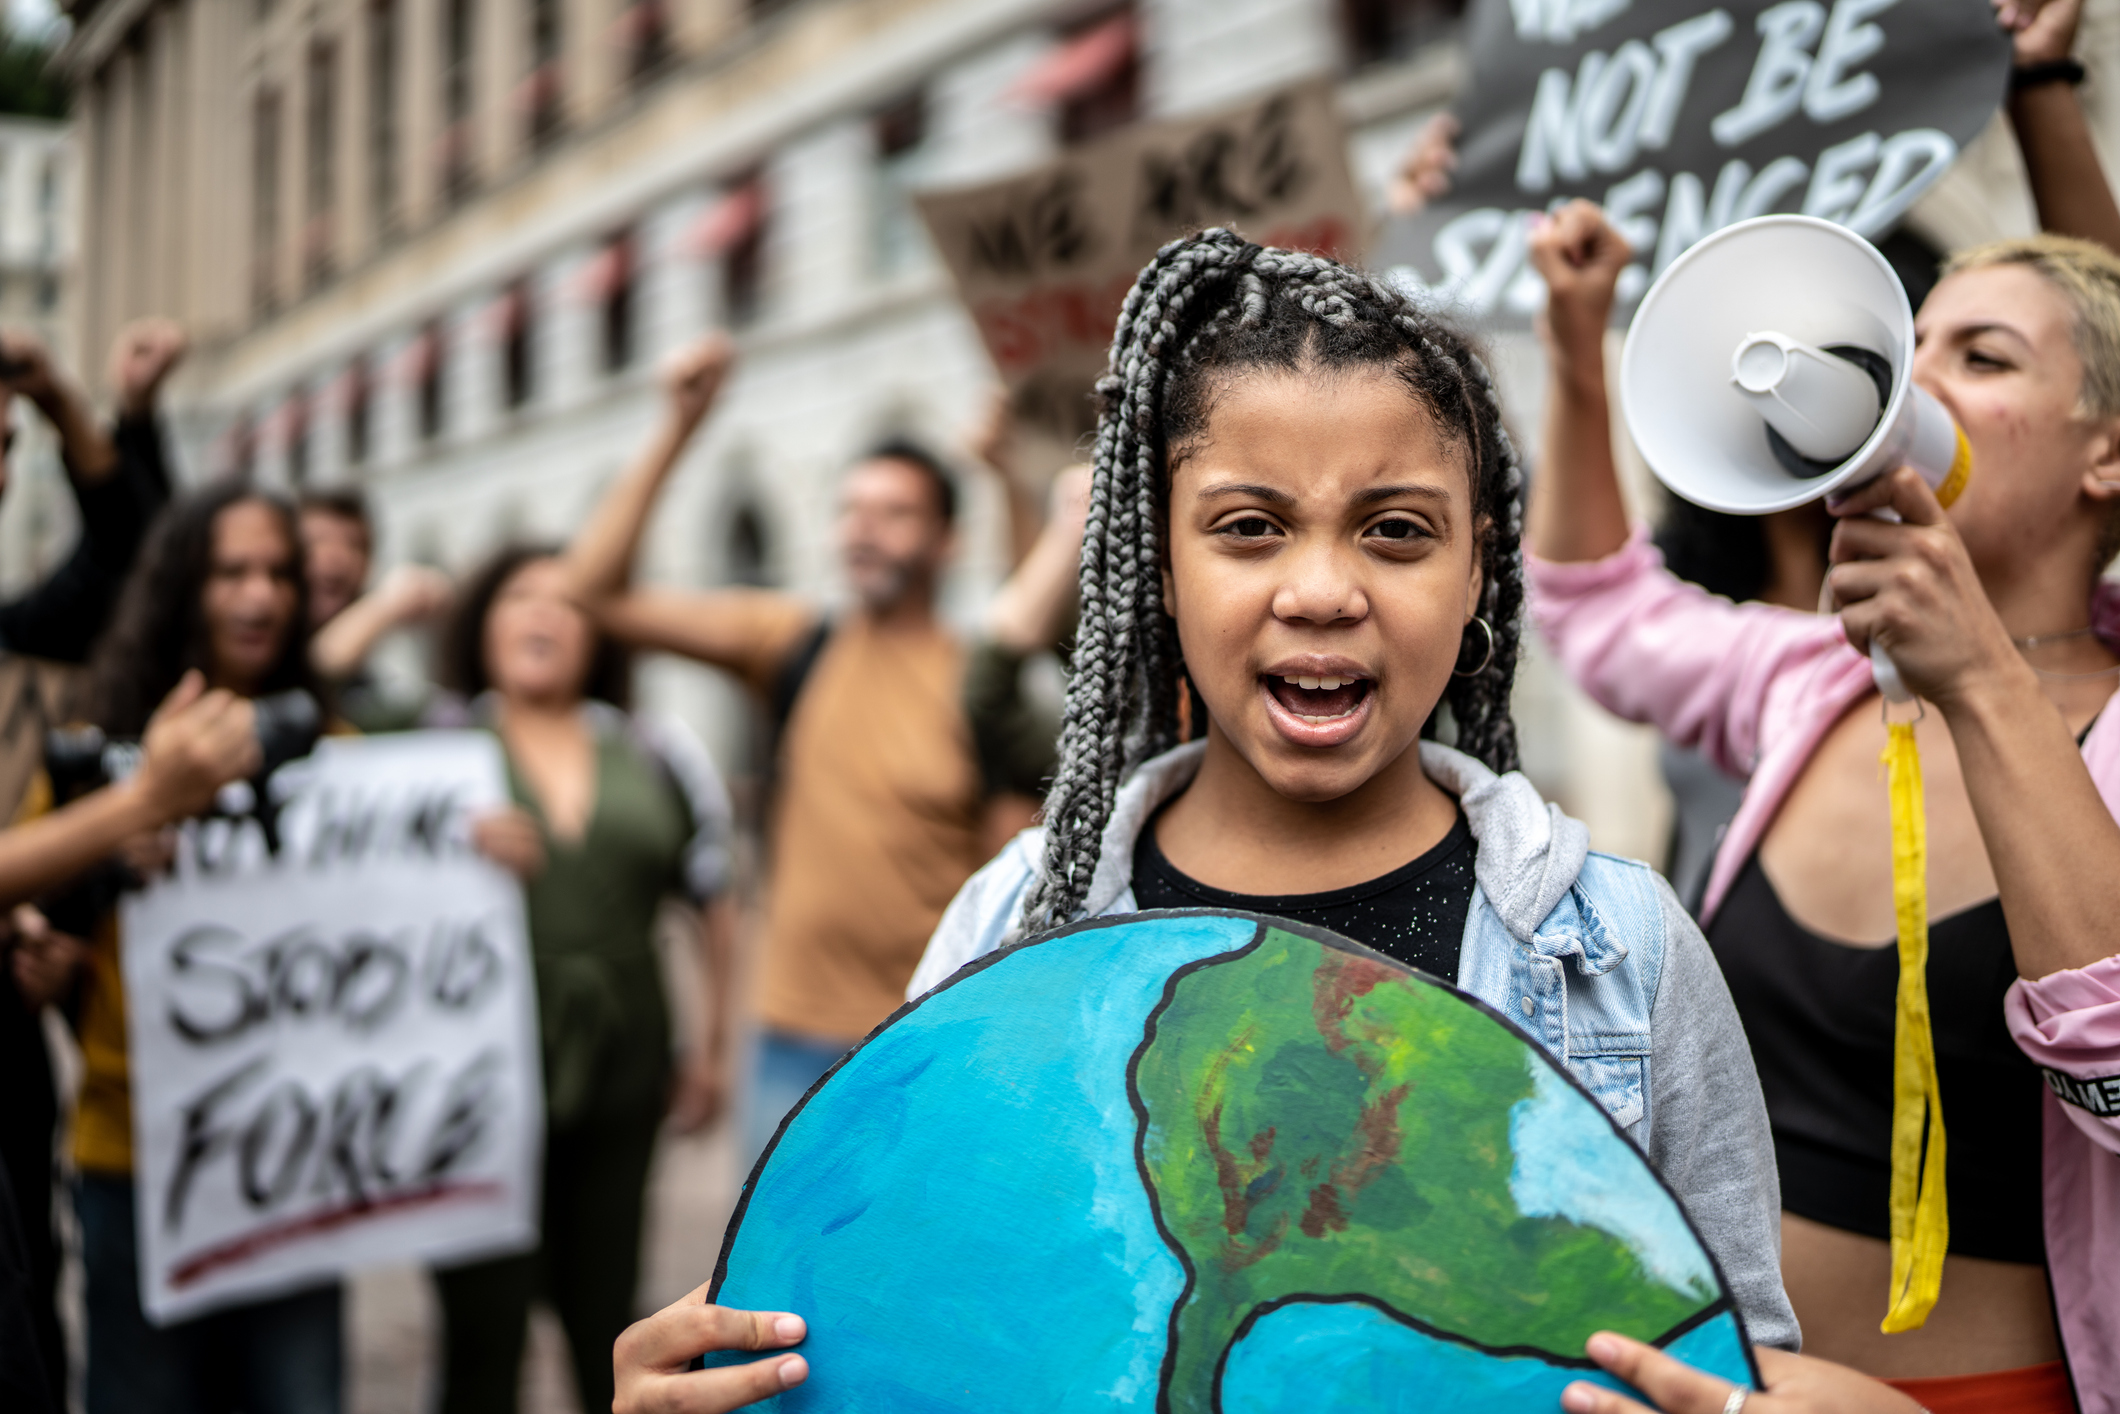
[
  {"x": 538, "y": 643},
  {"x": 1995, "y": 346},
  {"x": 1323, "y": 565}
]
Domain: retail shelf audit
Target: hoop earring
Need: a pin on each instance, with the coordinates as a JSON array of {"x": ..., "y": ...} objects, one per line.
[{"x": 1488, "y": 629}]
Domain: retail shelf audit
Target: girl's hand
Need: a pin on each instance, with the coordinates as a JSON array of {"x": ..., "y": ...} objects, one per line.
[
  {"x": 693, "y": 377},
  {"x": 196, "y": 742},
  {"x": 511, "y": 839},
  {"x": 702, "y": 1091},
  {"x": 45, "y": 959},
  {"x": 2043, "y": 30},
  {"x": 1424, "y": 172},
  {"x": 652, "y": 1359},
  {"x": 1911, "y": 587},
  {"x": 1795, "y": 1385},
  {"x": 1580, "y": 255}
]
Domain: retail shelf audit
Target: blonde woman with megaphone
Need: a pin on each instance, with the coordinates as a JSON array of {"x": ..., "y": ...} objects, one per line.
[{"x": 1995, "y": 616}]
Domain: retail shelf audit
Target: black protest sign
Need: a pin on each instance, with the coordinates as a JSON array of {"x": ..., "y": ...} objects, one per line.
[
  {"x": 1043, "y": 260},
  {"x": 1681, "y": 117}
]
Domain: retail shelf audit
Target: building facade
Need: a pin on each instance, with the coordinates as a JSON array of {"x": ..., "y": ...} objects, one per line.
[{"x": 436, "y": 247}]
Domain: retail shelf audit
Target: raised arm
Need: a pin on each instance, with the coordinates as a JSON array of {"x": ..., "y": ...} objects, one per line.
[
  {"x": 1576, "y": 512},
  {"x": 409, "y": 594},
  {"x": 2068, "y": 182},
  {"x": 600, "y": 560},
  {"x": 1644, "y": 644},
  {"x": 747, "y": 632}
]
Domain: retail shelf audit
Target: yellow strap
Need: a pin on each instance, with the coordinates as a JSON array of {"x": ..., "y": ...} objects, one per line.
[{"x": 1921, "y": 1225}]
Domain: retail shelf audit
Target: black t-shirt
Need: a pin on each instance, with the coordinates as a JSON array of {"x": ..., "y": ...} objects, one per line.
[{"x": 1415, "y": 914}]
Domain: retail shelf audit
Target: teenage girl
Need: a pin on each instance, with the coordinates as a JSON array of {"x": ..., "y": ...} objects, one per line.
[
  {"x": 1305, "y": 514},
  {"x": 1994, "y": 613}
]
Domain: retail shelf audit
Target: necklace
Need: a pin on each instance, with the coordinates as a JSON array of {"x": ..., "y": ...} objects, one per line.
[{"x": 2041, "y": 640}]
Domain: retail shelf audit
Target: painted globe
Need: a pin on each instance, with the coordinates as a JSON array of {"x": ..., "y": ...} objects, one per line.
[{"x": 1182, "y": 1162}]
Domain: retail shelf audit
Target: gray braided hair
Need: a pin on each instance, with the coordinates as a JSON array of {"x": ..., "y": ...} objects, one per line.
[{"x": 1206, "y": 305}]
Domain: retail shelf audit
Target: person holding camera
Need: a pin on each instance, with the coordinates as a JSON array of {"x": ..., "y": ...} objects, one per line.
[{"x": 215, "y": 615}]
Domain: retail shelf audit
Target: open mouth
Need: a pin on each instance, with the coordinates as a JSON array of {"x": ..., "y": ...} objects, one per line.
[{"x": 1319, "y": 700}]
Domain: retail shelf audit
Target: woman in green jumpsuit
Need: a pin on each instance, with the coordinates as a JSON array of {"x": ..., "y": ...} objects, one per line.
[{"x": 612, "y": 817}]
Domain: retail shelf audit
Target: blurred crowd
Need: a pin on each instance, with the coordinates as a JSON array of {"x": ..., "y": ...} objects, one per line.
[{"x": 905, "y": 756}]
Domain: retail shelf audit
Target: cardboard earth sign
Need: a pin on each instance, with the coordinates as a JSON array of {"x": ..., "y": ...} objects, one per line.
[
  {"x": 333, "y": 1031},
  {"x": 1682, "y": 116},
  {"x": 1210, "y": 1163},
  {"x": 1044, "y": 260}
]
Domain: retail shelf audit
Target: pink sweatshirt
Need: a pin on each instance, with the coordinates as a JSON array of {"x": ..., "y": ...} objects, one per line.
[{"x": 1756, "y": 688}]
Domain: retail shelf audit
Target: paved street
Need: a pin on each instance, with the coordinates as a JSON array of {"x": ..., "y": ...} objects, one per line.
[{"x": 393, "y": 1315}]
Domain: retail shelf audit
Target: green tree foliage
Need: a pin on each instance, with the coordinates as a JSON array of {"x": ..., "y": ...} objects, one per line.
[
  {"x": 28, "y": 87},
  {"x": 1287, "y": 1162}
]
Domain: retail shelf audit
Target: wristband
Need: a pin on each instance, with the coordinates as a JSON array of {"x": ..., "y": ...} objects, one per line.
[{"x": 2046, "y": 71}]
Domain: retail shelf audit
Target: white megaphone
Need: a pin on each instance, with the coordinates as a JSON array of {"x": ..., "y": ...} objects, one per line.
[{"x": 1771, "y": 364}]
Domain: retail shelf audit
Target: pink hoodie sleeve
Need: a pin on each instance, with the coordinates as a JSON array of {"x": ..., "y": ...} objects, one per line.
[
  {"x": 1650, "y": 647},
  {"x": 2069, "y": 1024}
]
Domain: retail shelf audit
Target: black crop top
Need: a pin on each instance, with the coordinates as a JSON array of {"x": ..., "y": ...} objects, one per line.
[
  {"x": 1819, "y": 1015},
  {"x": 1415, "y": 914}
]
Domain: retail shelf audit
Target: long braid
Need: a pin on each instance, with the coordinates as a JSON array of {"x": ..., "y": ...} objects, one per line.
[{"x": 1217, "y": 302}]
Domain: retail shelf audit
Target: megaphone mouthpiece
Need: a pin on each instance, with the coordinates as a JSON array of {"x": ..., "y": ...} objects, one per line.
[
  {"x": 1823, "y": 405},
  {"x": 1772, "y": 363}
]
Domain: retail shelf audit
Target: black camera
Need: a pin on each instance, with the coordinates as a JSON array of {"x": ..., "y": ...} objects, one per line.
[{"x": 83, "y": 759}]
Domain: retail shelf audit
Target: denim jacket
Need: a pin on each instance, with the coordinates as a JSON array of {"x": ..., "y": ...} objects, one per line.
[{"x": 1591, "y": 955}]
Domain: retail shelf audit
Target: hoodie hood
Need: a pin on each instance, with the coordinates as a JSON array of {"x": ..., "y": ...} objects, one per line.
[{"x": 1530, "y": 854}]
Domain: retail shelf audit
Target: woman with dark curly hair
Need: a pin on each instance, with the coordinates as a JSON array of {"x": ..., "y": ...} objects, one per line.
[
  {"x": 217, "y": 592},
  {"x": 613, "y": 815}
]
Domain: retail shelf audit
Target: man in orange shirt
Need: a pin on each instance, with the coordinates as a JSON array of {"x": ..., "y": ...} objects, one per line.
[{"x": 879, "y": 814}]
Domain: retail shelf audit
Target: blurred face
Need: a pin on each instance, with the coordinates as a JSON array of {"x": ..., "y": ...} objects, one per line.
[
  {"x": 538, "y": 645},
  {"x": 1995, "y": 348},
  {"x": 892, "y": 537},
  {"x": 335, "y": 559},
  {"x": 250, "y": 595},
  {"x": 1323, "y": 565}
]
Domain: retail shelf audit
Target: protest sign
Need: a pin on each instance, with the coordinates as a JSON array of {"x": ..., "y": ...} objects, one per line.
[
  {"x": 333, "y": 1031},
  {"x": 1680, "y": 117},
  {"x": 1044, "y": 260}
]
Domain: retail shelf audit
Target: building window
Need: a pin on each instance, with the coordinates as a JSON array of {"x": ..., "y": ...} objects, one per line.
[
  {"x": 749, "y": 547},
  {"x": 294, "y": 427},
  {"x": 617, "y": 295},
  {"x": 1092, "y": 80},
  {"x": 264, "y": 200},
  {"x": 743, "y": 253},
  {"x": 900, "y": 131},
  {"x": 1379, "y": 31},
  {"x": 427, "y": 360},
  {"x": 543, "y": 109},
  {"x": 322, "y": 130},
  {"x": 459, "y": 20},
  {"x": 383, "y": 113},
  {"x": 360, "y": 412},
  {"x": 517, "y": 374},
  {"x": 645, "y": 32},
  {"x": 239, "y": 448},
  {"x": 48, "y": 209}
]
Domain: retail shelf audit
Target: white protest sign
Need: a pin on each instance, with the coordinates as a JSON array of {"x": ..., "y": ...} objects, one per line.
[
  {"x": 334, "y": 1040},
  {"x": 1680, "y": 117}
]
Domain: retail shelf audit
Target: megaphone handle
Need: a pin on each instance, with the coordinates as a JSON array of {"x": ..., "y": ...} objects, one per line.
[
  {"x": 1882, "y": 669},
  {"x": 1886, "y": 674}
]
